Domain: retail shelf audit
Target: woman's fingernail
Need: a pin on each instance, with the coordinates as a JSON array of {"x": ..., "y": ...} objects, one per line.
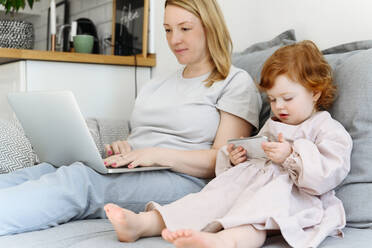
[
  {"x": 105, "y": 163},
  {"x": 114, "y": 164},
  {"x": 109, "y": 152}
]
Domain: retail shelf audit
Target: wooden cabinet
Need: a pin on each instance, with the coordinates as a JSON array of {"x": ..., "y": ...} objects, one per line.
[
  {"x": 12, "y": 79},
  {"x": 101, "y": 90}
]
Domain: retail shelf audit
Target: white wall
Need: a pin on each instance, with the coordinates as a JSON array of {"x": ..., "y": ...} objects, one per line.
[{"x": 327, "y": 22}]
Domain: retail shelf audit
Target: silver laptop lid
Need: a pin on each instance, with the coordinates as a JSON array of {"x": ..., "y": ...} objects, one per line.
[{"x": 56, "y": 128}]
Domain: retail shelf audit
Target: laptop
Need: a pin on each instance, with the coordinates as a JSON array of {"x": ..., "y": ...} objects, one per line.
[{"x": 57, "y": 130}]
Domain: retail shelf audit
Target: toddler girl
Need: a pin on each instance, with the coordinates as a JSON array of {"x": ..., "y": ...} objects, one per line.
[{"x": 291, "y": 190}]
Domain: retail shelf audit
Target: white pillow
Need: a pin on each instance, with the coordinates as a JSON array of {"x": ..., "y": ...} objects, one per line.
[{"x": 15, "y": 149}]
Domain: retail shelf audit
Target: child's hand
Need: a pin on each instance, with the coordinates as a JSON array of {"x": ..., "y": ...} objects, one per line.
[
  {"x": 277, "y": 151},
  {"x": 237, "y": 155}
]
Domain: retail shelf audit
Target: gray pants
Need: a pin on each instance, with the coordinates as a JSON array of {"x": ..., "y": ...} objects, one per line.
[{"x": 43, "y": 196}]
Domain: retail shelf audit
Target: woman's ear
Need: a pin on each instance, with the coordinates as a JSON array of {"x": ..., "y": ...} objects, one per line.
[{"x": 316, "y": 96}]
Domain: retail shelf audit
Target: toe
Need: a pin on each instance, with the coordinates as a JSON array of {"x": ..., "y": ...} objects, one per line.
[
  {"x": 167, "y": 235},
  {"x": 108, "y": 207}
]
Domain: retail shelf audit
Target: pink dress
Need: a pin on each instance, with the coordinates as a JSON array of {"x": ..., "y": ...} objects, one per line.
[{"x": 296, "y": 197}]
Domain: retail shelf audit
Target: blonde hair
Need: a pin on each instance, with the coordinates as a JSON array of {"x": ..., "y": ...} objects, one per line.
[
  {"x": 303, "y": 63},
  {"x": 218, "y": 39}
]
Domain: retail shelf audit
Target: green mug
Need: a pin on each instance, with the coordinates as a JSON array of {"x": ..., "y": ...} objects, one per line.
[{"x": 83, "y": 43}]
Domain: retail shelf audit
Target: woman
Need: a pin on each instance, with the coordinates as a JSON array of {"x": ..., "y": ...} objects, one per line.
[{"x": 179, "y": 121}]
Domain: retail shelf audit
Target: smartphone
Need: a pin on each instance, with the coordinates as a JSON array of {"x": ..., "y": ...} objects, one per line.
[{"x": 252, "y": 145}]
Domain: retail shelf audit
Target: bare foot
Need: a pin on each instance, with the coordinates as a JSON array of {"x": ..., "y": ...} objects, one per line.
[
  {"x": 195, "y": 239},
  {"x": 127, "y": 224}
]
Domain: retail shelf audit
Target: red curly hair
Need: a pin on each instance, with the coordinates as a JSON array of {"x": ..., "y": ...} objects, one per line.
[{"x": 303, "y": 63}]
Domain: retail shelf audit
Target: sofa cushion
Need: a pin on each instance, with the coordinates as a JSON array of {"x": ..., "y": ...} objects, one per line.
[
  {"x": 100, "y": 233},
  {"x": 253, "y": 58},
  {"x": 78, "y": 234},
  {"x": 284, "y": 38},
  {"x": 15, "y": 149},
  {"x": 105, "y": 131},
  {"x": 347, "y": 47},
  {"x": 353, "y": 237},
  {"x": 353, "y": 77}
]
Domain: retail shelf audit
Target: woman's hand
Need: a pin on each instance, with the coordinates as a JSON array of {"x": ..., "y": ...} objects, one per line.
[
  {"x": 277, "y": 151},
  {"x": 140, "y": 157},
  {"x": 118, "y": 147},
  {"x": 237, "y": 155}
]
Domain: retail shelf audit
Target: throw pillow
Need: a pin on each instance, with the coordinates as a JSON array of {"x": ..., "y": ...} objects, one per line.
[
  {"x": 282, "y": 39},
  {"x": 105, "y": 131},
  {"x": 352, "y": 46},
  {"x": 353, "y": 77},
  {"x": 253, "y": 58},
  {"x": 15, "y": 149}
]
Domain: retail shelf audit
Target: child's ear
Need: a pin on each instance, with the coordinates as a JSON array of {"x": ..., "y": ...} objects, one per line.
[{"x": 316, "y": 96}]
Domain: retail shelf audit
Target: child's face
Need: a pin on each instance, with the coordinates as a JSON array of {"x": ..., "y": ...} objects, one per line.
[{"x": 290, "y": 102}]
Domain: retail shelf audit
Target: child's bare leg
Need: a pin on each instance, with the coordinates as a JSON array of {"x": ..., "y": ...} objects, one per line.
[
  {"x": 130, "y": 226},
  {"x": 243, "y": 236}
]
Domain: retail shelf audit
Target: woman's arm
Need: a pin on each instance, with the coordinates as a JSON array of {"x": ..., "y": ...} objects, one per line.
[
  {"x": 201, "y": 163},
  {"x": 198, "y": 163}
]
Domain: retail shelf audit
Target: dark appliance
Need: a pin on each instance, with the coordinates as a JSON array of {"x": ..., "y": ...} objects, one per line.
[{"x": 86, "y": 26}]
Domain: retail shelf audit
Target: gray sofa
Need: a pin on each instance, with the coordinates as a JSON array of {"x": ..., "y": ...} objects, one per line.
[
  {"x": 352, "y": 65},
  {"x": 99, "y": 234}
]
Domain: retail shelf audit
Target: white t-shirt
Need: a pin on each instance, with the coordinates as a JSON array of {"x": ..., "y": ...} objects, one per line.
[{"x": 182, "y": 113}]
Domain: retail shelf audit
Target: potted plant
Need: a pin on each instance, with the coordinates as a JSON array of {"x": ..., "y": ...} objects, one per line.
[
  {"x": 15, "y": 5},
  {"x": 16, "y": 33}
]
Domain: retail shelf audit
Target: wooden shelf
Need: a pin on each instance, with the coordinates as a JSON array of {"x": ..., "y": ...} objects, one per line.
[{"x": 10, "y": 55}]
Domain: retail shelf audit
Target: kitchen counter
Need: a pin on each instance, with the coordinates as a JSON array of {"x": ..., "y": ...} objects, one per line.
[{"x": 10, "y": 55}]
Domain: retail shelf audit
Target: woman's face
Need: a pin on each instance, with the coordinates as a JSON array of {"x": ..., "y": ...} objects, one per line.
[{"x": 185, "y": 36}]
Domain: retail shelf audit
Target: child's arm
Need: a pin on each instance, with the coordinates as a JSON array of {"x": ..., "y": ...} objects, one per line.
[
  {"x": 278, "y": 151},
  {"x": 237, "y": 155},
  {"x": 223, "y": 160},
  {"x": 317, "y": 167}
]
